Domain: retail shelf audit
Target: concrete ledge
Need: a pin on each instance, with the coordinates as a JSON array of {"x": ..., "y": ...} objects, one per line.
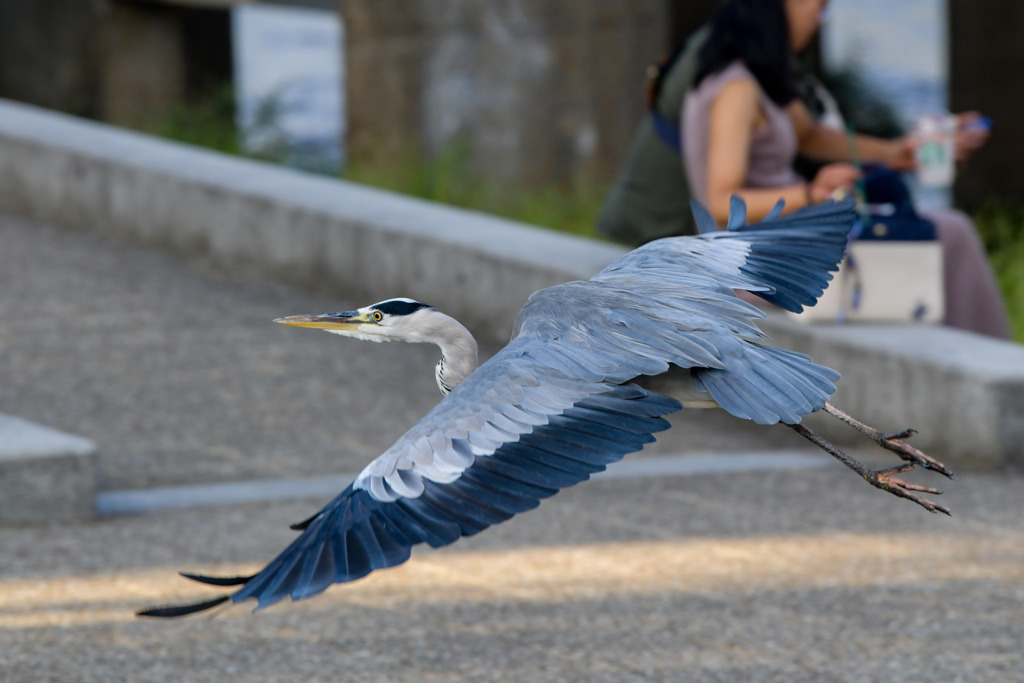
[
  {"x": 45, "y": 475},
  {"x": 965, "y": 393}
]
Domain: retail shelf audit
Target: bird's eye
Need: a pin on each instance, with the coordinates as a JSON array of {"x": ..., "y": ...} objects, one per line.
[{"x": 378, "y": 316}]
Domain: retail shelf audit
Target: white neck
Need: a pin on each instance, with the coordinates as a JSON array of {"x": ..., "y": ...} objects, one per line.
[
  {"x": 458, "y": 348},
  {"x": 458, "y": 359}
]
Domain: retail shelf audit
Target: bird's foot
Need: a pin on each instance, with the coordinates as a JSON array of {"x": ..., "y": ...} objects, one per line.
[
  {"x": 893, "y": 441},
  {"x": 884, "y": 480}
]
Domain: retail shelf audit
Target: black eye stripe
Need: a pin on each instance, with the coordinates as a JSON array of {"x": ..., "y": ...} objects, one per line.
[{"x": 399, "y": 307}]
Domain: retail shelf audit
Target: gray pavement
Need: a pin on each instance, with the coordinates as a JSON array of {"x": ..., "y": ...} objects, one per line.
[{"x": 175, "y": 371}]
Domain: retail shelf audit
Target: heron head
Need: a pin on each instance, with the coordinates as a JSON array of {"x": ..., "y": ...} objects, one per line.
[{"x": 391, "y": 320}]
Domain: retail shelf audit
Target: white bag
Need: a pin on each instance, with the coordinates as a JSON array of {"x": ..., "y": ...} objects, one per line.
[{"x": 884, "y": 282}]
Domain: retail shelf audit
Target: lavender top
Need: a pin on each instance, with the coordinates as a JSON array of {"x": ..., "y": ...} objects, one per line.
[{"x": 773, "y": 146}]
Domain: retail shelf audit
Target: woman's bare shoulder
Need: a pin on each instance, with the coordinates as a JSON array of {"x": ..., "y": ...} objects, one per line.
[{"x": 740, "y": 96}]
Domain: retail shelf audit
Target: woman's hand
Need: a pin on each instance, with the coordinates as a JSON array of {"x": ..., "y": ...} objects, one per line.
[
  {"x": 830, "y": 178},
  {"x": 901, "y": 153},
  {"x": 971, "y": 133}
]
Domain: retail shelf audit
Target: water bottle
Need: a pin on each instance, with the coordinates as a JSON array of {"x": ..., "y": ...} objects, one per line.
[{"x": 936, "y": 151}]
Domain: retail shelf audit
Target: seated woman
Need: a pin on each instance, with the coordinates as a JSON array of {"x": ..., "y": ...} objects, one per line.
[{"x": 743, "y": 125}]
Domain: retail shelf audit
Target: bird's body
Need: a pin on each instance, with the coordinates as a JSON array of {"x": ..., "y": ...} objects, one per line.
[{"x": 558, "y": 403}]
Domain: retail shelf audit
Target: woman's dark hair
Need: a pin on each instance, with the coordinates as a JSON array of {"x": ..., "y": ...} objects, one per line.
[{"x": 755, "y": 32}]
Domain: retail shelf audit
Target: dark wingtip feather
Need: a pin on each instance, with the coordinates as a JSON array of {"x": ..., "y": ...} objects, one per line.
[
  {"x": 705, "y": 221},
  {"x": 737, "y": 213},
  {"x": 182, "y": 610},
  {"x": 796, "y": 254},
  {"x": 218, "y": 580},
  {"x": 301, "y": 526}
]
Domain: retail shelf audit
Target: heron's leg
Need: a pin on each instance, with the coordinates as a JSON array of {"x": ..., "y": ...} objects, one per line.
[
  {"x": 892, "y": 441},
  {"x": 883, "y": 478}
]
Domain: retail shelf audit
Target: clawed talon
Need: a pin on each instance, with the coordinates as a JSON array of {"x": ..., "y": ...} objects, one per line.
[
  {"x": 893, "y": 441},
  {"x": 884, "y": 480},
  {"x": 905, "y": 434},
  {"x": 915, "y": 456}
]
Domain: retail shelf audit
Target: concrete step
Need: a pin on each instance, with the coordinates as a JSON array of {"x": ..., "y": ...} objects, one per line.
[{"x": 45, "y": 475}]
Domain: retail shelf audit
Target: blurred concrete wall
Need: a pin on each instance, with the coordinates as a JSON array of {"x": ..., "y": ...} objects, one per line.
[
  {"x": 986, "y": 63},
  {"x": 124, "y": 62},
  {"x": 536, "y": 89},
  {"x": 50, "y": 53}
]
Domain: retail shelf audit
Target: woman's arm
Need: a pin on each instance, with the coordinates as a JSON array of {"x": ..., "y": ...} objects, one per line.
[
  {"x": 827, "y": 144},
  {"x": 735, "y": 113}
]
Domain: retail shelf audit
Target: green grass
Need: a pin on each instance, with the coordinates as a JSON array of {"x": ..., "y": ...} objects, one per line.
[
  {"x": 1002, "y": 230},
  {"x": 208, "y": 123},
  {"x": 450, "y": 179}
]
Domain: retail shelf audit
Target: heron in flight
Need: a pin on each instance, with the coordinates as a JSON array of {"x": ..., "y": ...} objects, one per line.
[{"x": 558, "y": 403}]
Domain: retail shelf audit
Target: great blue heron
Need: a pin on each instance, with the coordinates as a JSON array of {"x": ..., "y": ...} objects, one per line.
[{"x": 558, "y": 403}]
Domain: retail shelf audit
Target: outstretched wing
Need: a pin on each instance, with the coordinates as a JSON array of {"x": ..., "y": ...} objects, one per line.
[
  {"x": 555, "y": 405},
  {"x": 503, "y": 440},
  {"x": 788, "y": 261},
  {"x": 672, "y": 301}
]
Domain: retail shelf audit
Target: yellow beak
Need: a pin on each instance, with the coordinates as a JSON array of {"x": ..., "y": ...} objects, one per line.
[{"x": 344, "y": 320}]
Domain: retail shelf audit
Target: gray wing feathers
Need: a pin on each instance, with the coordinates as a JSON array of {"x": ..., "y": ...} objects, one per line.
[
  {"x": 668, "y": 302},
  {"x": 507, "y": 397},
  {"x": 671, "y": 301},
  {"x": 768, "y": 385}
]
